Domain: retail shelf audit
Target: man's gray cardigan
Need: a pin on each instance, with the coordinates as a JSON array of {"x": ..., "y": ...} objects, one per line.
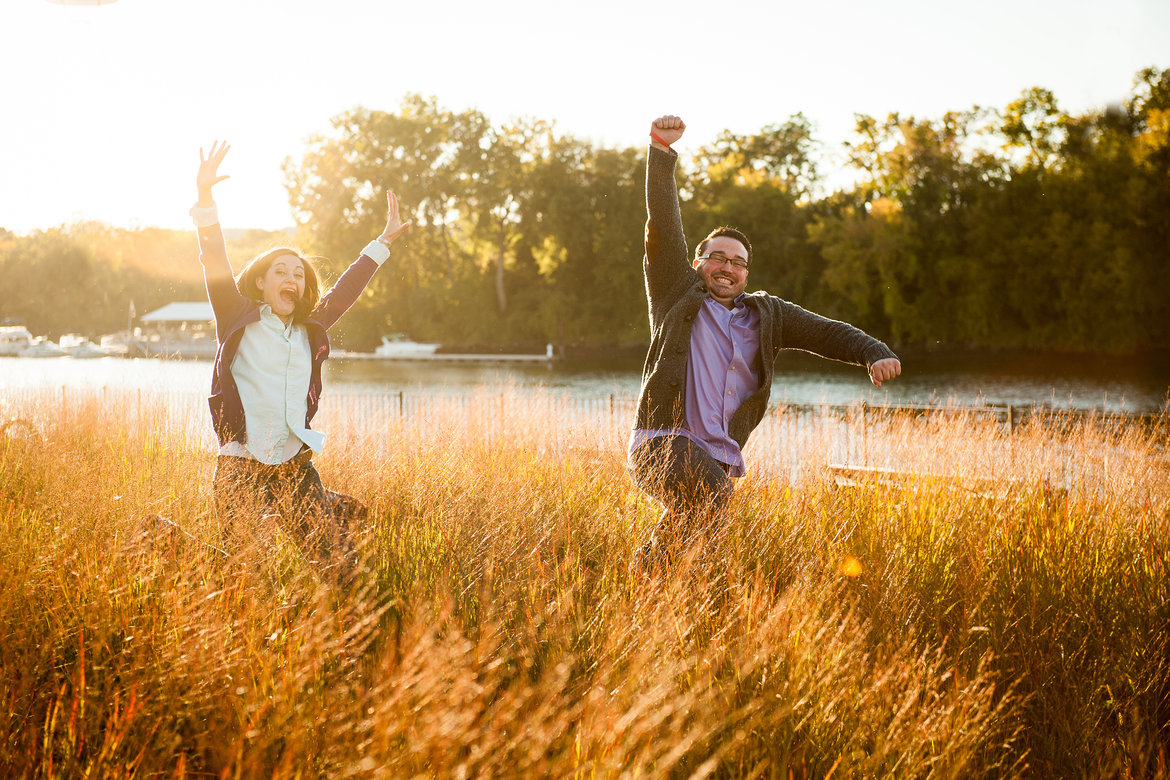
[{"x": 675, "y": 292}]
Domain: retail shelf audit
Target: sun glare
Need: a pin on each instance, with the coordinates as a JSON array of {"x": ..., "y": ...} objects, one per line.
[{"x": 114, "y": 106}]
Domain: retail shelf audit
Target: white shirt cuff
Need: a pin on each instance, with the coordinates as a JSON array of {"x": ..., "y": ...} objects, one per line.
[
  {"x": 377, "y": 251},
  {"x": 204, "y": 216}
]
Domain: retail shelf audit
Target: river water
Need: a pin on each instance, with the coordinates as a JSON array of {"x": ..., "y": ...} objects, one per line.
[{"x": 1107, "y": 385}]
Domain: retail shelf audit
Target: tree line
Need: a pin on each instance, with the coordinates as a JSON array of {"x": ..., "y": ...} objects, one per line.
[{"x": 1020, "y": 227}]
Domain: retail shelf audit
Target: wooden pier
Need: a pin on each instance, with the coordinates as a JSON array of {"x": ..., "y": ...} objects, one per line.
[{"x": 451, "y": 357}]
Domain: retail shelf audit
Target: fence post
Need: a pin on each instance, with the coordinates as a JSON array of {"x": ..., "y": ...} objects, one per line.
[
  {"x": 864, "y": 434},
  {"x": 401, "y": 410},
  {"x": 1011, "y": 422}
]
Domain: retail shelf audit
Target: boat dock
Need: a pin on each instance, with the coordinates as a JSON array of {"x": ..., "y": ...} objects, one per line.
[{"x": 438, "y": 357}]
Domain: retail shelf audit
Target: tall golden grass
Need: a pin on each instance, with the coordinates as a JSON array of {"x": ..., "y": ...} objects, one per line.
[{"x": 997, "y": 608}]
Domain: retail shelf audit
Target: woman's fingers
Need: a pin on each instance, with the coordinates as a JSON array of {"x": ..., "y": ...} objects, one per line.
[
  {"x": 394, "y": 226},
  {"x": 393, "y": 216},
  {"x": 401, "y": 229},
  {"x": 215, "y": 155}
]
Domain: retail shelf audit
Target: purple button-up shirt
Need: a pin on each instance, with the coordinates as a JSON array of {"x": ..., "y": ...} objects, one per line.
[{"x": 720, "y": 376}]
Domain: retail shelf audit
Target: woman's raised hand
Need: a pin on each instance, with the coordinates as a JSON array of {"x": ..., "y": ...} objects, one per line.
[
  {"x": 208, "y": 175},
  {"x": 394, "y": 224}
]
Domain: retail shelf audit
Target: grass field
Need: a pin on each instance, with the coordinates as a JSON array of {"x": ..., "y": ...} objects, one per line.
[{"x": 1001, "y": 608}]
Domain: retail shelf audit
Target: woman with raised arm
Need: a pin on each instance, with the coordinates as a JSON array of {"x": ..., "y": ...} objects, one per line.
[{"x": 271, "y": 322}]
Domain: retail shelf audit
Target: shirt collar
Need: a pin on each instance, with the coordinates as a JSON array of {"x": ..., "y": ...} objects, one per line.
[
  {"x": 739, "y": 302},
  {"x": 272, "y": 321}
]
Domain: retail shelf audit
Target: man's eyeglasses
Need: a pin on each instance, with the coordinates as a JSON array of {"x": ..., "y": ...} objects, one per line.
[{"x": 715, "y": 257}]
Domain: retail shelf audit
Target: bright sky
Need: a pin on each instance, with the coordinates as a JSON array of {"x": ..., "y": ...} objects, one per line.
[{"x": 103, "y": 109}]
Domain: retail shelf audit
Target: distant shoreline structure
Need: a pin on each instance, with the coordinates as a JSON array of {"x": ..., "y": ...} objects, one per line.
[{"x": 397, "y": 348}]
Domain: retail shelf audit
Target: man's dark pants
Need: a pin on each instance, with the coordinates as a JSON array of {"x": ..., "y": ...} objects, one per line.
[{"x": 692, "y": 486}]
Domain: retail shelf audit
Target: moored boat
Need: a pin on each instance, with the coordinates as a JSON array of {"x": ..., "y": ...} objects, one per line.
[
  {"x": 42, "y": 348},
  {"x": 80, "y": 347},
  {"x": 397, "y": 345},
  {"x": 14, "y": 339}
]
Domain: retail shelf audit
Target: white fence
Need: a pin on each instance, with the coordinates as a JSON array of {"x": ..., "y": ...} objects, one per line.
[{"x": 1063, "y": 449}]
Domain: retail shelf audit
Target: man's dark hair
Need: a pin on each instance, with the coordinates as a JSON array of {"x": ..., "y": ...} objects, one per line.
[{"x": 730, "y": 232}]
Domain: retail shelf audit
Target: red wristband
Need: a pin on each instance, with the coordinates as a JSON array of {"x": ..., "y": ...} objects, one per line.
[{"x": 659, "y": 139}]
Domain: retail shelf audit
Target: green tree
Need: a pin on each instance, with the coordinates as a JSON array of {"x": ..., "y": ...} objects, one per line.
[
  {"x": 427, "y": 155},
  {"x": 1034, "y": 125},
  {"x": 585, "y": 224},
  {"x": 763, "y": 184},
  {"x": 918, "y": 177},
  {"x": 501, "y": 188},
  {"x": 784, "y": 153},
  {"x": 1148, "y": 112}
]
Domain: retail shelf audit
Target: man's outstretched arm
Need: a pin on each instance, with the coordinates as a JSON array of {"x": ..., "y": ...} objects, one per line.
[{"x": 799, "y": 328}]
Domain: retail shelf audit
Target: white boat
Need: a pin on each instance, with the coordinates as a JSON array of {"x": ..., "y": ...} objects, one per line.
[
  {"x": 14, "y": 339},
  {"x": 115, "y": 344},
  {"x": 398, "y": 346},
  {"x": 80, "y": 347},
  {"x": 41, "y": 347}
]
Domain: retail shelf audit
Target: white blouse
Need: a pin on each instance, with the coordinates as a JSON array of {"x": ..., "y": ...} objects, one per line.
[{"x": 272, "y": 370}]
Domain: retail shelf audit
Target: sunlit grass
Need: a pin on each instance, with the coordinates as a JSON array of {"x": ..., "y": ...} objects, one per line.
[{"x": 997, "y": 607}]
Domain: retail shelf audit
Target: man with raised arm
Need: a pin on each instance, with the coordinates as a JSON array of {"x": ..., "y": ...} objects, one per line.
[{"x": 713, "y": 348}]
